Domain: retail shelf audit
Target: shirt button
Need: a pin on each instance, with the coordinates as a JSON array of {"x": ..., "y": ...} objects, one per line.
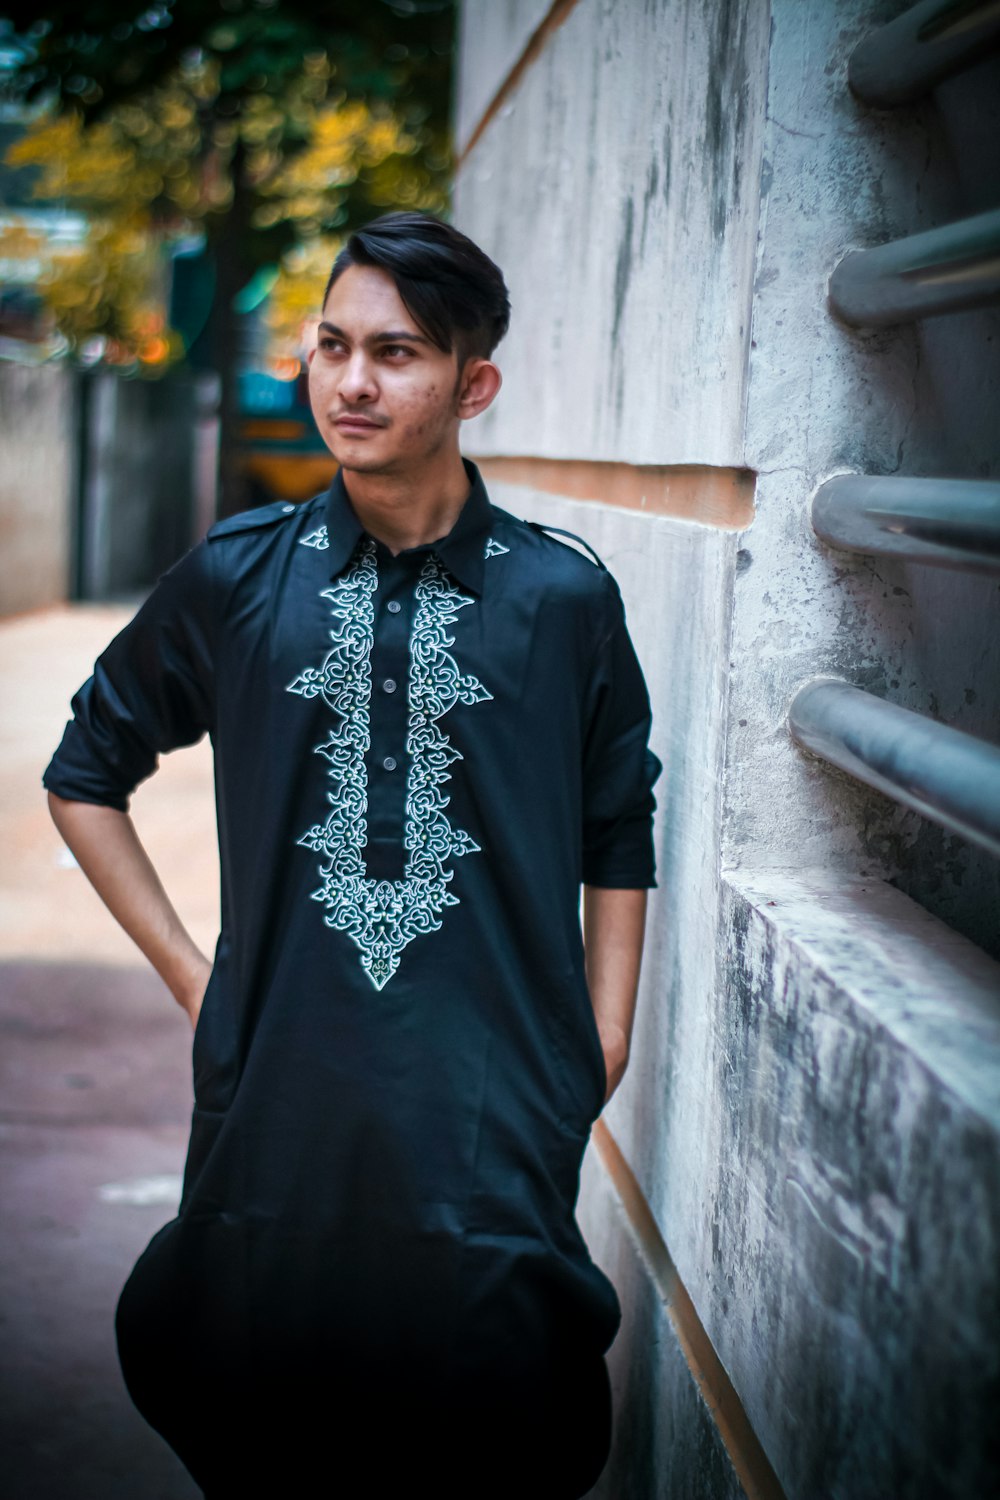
[
  {"x": 288, "y": 509},
  {"x": 389, "y": 685},
  {"x": 394, "y": 606},
  {"x": 389, "y": 763}
]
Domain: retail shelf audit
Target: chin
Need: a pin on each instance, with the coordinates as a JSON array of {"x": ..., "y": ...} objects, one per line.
[{"x": 360, "y": 463}]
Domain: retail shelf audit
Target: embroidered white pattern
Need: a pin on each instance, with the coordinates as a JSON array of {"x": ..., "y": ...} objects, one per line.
[
  {"x": 321, "y": 541},
  {"x": 383, "y": 916}
]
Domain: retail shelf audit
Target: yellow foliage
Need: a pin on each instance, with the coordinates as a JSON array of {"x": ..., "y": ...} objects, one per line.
[
  {"x": 18, "y": 242},
  {"x": 296, "y": 295},
  {"x": 345, "y": 139},
  {"x": 98, "y": 164},
  {"x": 152, "y": 168},
  {"x": 111, "y": 285}
]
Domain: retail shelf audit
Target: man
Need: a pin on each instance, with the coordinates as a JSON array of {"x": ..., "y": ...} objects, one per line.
[{"x": 429, "y": 727}]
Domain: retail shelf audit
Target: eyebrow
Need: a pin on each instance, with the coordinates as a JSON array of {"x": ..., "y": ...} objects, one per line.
[{"x": 378, "y": 338}]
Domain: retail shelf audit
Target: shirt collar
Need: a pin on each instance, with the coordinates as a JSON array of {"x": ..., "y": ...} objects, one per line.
[{"x": 463, "y": 550}]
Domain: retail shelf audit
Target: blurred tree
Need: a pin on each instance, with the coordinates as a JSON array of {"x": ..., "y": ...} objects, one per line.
[{"x": 272, "y": 126}]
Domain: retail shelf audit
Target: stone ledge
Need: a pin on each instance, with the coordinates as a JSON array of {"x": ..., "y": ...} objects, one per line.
[
  {"x": 853, "y": 1186},
  {"x": 935, "y": 991}
]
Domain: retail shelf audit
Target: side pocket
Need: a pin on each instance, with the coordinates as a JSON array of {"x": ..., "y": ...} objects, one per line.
[
  {"x": 205, "y": 1127},
  {"x": 213, "y": 1047},
  {"x": 579, "y": 1055},
  {"x": 595, "y": 1053},
  {"x": 199, "y": 1025}
]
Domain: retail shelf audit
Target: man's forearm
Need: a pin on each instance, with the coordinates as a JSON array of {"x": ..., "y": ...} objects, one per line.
[
  {"x": 614, "y": 923},
  {"x": 107, "y": 848}
]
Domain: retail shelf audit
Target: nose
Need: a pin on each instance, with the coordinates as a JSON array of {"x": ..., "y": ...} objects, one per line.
[{"x": 357, "y": 378}]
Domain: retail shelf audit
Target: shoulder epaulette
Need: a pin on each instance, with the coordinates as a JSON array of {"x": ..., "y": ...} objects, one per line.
[
  {"x": 541, "y": 526},
  {"x": 252, "y": 520}
]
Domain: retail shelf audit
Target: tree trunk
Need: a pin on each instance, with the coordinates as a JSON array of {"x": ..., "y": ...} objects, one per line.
[{"x": 231, "y": 272}]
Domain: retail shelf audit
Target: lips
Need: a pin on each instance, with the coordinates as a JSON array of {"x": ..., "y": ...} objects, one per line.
[{"x": 356, "y": 424}]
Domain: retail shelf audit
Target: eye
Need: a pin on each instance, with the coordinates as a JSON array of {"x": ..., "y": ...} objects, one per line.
[
  {"x": 397, "y": 349},
  {"x": 328, "y": 343}
]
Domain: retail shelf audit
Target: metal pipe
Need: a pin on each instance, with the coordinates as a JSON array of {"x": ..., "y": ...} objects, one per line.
[
  {"x": 947, "y": 775},
  {"x": 943, "y": 270},
  {"x": 948, "y": 523},
  {"x": 900, "y": 62}
]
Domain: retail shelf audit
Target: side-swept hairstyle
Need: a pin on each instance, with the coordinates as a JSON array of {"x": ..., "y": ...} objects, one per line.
[{"x": 450, "y": 287}]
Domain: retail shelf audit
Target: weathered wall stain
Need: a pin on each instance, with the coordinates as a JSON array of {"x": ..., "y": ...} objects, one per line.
[
  {"x": 728, "y": 95},
  {"x": 623, "y": 268}
]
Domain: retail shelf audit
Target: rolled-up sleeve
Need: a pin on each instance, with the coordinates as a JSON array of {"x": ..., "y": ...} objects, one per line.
[
  {"x": 619, "y": 768},
  {"x": 151, "y": 691}
]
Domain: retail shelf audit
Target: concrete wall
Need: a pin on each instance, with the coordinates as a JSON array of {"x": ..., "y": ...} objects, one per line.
[
  {"x": 811, "y": 1115},
  {"x": 620, "y": 209},
  {"x": 36, "y": 479}
]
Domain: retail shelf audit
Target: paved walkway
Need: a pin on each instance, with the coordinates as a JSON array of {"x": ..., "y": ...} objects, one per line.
[{"x": 95, "y": 1089}]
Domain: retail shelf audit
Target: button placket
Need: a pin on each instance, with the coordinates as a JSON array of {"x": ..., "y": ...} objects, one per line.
[{"x": 389, "y": 714}]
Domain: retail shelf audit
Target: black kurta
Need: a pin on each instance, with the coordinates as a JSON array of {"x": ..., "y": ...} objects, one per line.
[{"x": 376, "y": 1264}]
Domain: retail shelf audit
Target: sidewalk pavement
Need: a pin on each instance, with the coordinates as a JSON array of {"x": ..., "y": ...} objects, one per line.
[{"x": 95, "y": 1087}]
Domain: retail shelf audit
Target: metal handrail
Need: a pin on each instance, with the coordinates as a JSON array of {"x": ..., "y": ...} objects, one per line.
[
  {"x": 942, "y": 270},
  {"x": 948, "y": 523},
  {"x": 943, "y": 773},
  {"x": 902, "y": 61}
]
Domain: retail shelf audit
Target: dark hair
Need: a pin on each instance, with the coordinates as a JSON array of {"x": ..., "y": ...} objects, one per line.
[{"x": 449, "y": 286}]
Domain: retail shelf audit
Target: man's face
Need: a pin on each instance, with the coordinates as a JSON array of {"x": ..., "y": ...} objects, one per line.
[{"x": 384, "y": 397}]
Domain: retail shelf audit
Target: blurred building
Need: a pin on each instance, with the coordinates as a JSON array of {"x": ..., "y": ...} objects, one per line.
[
  {"x": 109, "y": 474},
  {"x": 36, "y": 410},
  {"x": 773, "y": 411}
]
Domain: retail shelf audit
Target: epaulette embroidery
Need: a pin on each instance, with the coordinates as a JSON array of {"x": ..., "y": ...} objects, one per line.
[{"x": 541, "y": 526}]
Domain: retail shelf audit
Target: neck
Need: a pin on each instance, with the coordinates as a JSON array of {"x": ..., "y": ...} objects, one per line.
[{"x": 407, "y": 510}]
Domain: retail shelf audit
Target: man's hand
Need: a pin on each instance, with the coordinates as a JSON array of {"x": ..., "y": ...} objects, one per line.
[
  {"x": 615, "y": 1046},
  {"x": 614, "y": 923},
  {"x": 191, "y": 997},
  {"x": 107, "y": 849}
]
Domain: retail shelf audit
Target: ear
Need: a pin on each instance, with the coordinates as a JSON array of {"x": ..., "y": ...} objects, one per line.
[
  {"x": 478, "y": 385},
  {"x": 311, "y": 355}
]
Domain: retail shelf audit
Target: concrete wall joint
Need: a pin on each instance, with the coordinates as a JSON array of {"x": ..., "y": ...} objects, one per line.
[
  {"x": 554, "y": 18},
  {"x": 714, "y": 496}
]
